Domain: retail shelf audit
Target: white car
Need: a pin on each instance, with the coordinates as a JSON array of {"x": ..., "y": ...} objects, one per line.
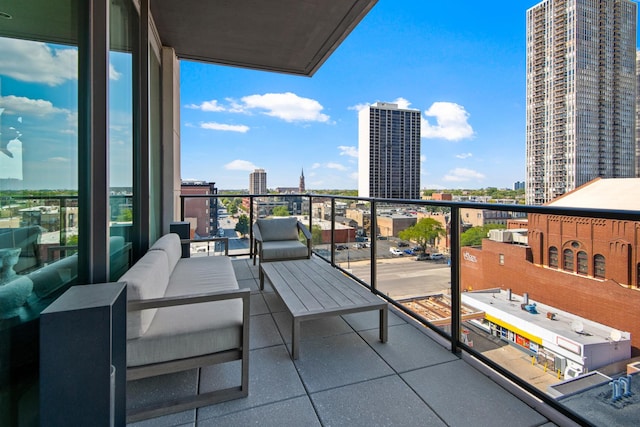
[
  {"x": 437, "y": 256},
  {"x": 395, "y": 251}
]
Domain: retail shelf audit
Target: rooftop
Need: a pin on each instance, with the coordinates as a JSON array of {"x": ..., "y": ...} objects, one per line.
[
  {"x": 564, "y": 324},
  {"x": 345, "y": 376},
  {"x": 614, "y": 193}
]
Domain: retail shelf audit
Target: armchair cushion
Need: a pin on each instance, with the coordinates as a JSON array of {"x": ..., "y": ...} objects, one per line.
[
  {"x": 283, "y": 249},
  {"x": 278, "y": 229}
]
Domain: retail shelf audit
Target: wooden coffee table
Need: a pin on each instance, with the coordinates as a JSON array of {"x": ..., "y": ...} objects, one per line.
[{"x": 312, "y": 288}]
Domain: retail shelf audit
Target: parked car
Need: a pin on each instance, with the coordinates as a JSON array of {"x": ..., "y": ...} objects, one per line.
[
  {"x": 395, "y": 251},
  {"x": 359, "y": 246},
  {"x": 437, "y": 256},
  {"x": 403, "y": 245},
  {"x": 382, "y": 237},
  {"x": 417, "y": 249},
  {"x": 423, "y": 257},
  {"x": 409, "y": 252},
  {"x": 341, "y": 247}
]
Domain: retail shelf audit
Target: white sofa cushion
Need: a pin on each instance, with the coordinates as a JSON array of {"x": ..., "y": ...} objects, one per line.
[
  {"x": 148, "y": 278},
  {"x": 185, "y": 331},
  {"x": 201, "y": 275},
  {"x": 195, "y": 329},
  {"x": 278, "y": 228},
  {"x": 170, "y": 244}
]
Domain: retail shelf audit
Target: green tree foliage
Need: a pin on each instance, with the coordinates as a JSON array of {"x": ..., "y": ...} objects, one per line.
[
  {"x": 242, "y": 226},
  {"x": 425, "y": 232},
  {"x": 474, "y": 235},
  {"x": 126, "y": 215},
  {"x": 280, "y": 211},
  {"x": 316, "y": 235}
]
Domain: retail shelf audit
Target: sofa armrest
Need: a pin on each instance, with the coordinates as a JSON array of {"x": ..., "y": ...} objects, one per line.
[
  {"x": 256, "y": 232},
  {"x": 134, "y": 305}
]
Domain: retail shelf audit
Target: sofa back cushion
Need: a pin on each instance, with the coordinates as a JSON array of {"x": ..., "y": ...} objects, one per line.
[
  {"x": 278, "y": 229},
  {"x": 148, "y": 278},
  {"x": 169, "y": 244}
]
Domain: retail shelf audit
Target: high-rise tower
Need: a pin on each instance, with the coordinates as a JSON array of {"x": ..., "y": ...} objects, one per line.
[
  {"x": 258, "y": 182},
  {"x": 389, "y": 152},
  {"x": 581, "y": 90}
]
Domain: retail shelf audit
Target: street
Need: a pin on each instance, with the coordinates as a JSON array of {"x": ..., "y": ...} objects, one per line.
[{"x": 403, "y": 277}]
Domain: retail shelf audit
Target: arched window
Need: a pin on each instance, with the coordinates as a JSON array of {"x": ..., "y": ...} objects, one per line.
[
  {"x": 598, "y": 266},
  {"x": 567, "y": 256},
  {"x": 553, "y": 257},
  {"x": 583, "y": 267}
]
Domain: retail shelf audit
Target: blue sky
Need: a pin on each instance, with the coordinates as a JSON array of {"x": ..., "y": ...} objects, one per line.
[{"x": 461, "y": 64}]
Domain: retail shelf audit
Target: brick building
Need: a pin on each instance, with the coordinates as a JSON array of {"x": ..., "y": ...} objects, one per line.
[
  {"x": 201, "y": 213},
  {"x": 588, "y": 267}
]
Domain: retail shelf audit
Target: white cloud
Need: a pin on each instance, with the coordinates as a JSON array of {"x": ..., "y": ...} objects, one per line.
[
  {"x": 209, "y": 106},
  {"x": 423, "y": 158},
  {"x": 337, "y": 166},
  {"x": 358, "y": 107},
  {"x": 287, "y": 106},
  {"x": 464, "y": 155},
  {"x": 58, "y": 159},
  {"x": 316, "y": 166},
  {"x": 25, "y": 106},
  {"x": 113, "y": 73},
  {"x": 462, "y": 174},
  {"x": 451, "y": 122},
  {"x": 225, "y": 127},
  {"x": 402, "y": 103},
  {"x": 240, "y": 165},
  {"x": 36, "y": 62},
  {"x": 348, "y": 151},
  {"x": 354, "y": 175}
]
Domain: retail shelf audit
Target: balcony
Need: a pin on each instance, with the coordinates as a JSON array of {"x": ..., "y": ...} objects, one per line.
[
  {"x": 345, "y": 376},
  {"x": 431, "y": 299}
]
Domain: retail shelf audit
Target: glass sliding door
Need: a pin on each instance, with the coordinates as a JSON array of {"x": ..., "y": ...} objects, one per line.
[
  {"x": 122, "y": 50},
  {"x": 38, "y": 186}
]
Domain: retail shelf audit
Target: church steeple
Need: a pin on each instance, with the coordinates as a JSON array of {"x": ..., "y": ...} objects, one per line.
[{"x": 301, "y": 186}]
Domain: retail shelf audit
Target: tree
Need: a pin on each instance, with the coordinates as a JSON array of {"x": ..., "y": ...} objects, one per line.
[
  {"x": 316, "y": 235},
  {"x": 242, "y": 226},
  {"x": 280, "y": 211},
  {"x": 474, "y": 235},
  {"x": 426, "y": 231}
]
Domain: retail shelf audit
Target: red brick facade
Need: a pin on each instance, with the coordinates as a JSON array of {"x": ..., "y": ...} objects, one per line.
[{"x": 612, "y": 299}]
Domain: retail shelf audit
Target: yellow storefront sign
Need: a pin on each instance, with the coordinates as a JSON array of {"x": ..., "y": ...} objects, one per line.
[{"x": 512, "y": 328}]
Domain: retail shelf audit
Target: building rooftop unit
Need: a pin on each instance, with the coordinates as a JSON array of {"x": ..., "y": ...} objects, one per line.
[{"x": 578, "y": 329}]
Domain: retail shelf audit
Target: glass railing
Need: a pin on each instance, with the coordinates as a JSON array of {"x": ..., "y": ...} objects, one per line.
[{"x": 547, "y": 297}]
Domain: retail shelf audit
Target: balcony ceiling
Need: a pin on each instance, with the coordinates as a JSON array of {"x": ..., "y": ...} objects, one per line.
[{"x": 288, "y": 36}]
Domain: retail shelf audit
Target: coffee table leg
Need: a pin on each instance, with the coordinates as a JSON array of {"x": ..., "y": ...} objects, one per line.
[
  {"x": 383, "y": 324},
  {"x": 295, "y": 337}
]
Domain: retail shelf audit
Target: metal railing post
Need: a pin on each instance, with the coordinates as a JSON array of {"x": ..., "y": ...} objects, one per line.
[
  {"x": 455, "y": 279},
  {"x": 373, "y": 239},
  {"x": 333, "y": 231}
]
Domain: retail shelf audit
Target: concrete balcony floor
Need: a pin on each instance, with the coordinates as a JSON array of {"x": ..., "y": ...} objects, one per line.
[{"x": 344, "y": 377}]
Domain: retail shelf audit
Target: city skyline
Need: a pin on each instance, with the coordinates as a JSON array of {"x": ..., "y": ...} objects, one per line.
[{"x": 463, "y": 68}]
